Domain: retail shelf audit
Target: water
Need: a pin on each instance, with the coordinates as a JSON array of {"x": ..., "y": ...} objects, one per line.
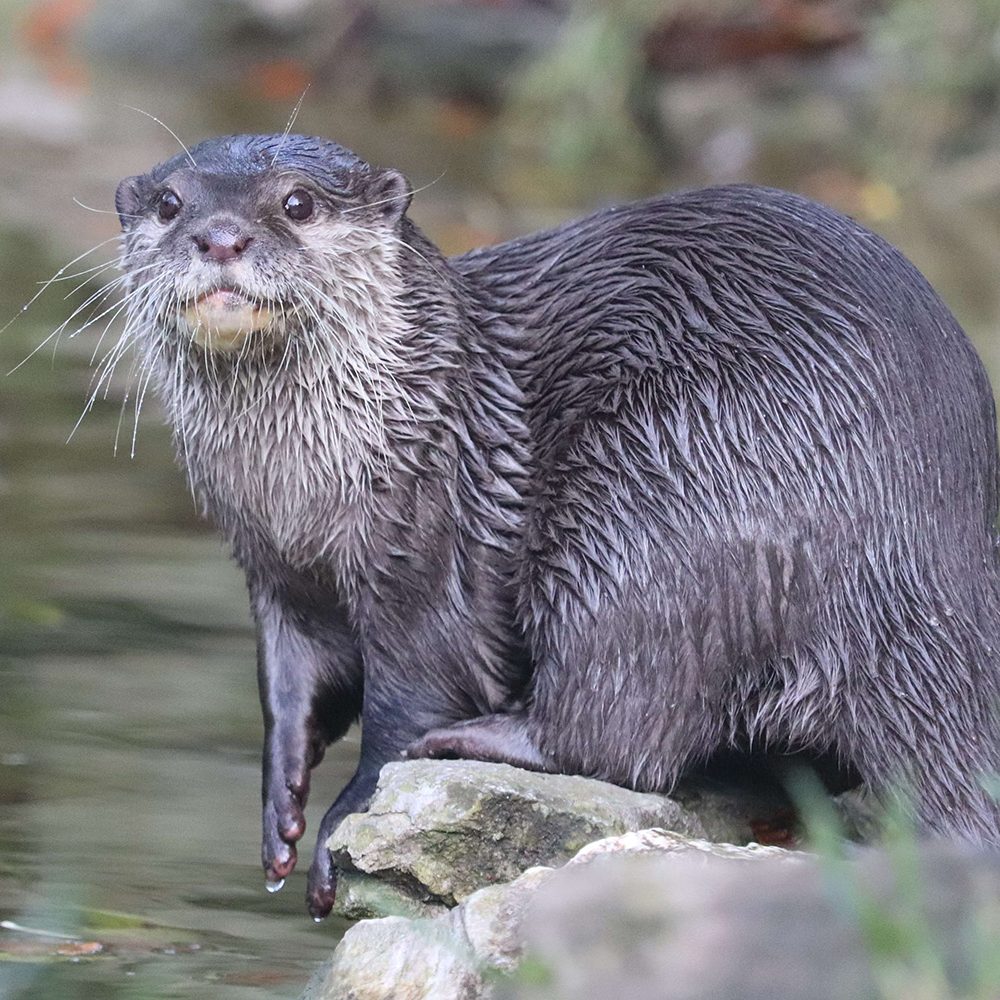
[{"x": 129, "y": 723}]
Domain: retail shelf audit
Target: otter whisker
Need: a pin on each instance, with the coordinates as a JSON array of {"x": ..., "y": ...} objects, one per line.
[
  {"x": 106, "y": 289},
  {"x": 95, "y": 299},
  {"x": 141, "y": 395},
  {"x": 100, "y": 295},
  {"x": 168, "y": 128},
  {"x": 104, "y": 331},
  {"x": 105, "y": 211},
  {"x": 65, "y": 267},
  {"x": 94, "y": 269},
  {"x": 109, "y": 361},
  {"x": 41, "y": 290},
  {"x": 128, "y": 336},
  {"x": 121, "y": 420},
  {"x": 115, "y": 355},
  {"x": 134, "y": 369},
  {"x": 91, "y": 273},
  {"x": 393, "y": 198},
  {"x": 107, "y": 326},
  {"x": 288, "y": 125}
]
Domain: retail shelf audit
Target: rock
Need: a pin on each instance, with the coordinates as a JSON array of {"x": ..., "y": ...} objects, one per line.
[
  {"x": 464, "y": 952},
  {"x": 490, "y": 919},
  {"x": 666, "y": 842},
  {"x": 643, "y": 913},
  {"x": 655, "y": 915},
  {"x": 394, "y": 958},
  {"x": 360, "y": 897},
  {"x": 650, "y": 926},
  {"x": 440, "y": 830}
]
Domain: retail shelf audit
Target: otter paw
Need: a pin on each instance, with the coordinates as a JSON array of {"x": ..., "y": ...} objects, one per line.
[
  {"x": 442, "y": 744},
  {"x": 321, "y": 891},
  {"x": 503, "y": 739},
  {"x": 284, "y": 824}
]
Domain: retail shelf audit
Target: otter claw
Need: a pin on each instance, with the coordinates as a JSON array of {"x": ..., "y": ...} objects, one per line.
[
  {"x": 320, "y": 900},
  {"x": 322, "y": 890}
]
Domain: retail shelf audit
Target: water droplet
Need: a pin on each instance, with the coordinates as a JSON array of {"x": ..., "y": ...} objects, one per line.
[{"x": 274, "y": 886}]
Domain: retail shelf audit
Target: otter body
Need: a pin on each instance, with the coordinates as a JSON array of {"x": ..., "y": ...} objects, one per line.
[{"x": 714, "y": 470}]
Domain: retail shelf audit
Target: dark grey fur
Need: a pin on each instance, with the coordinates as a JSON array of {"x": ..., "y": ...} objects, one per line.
[{"x": 714, "y": 469}]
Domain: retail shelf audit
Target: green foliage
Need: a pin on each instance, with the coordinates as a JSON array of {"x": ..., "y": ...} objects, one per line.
[
  {"x": 907, "y": 956},
  {"x": 572, "y": 115}
]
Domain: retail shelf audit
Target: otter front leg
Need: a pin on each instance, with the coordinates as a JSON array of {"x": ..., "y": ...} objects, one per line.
[
  {"x": 310, "y": 691},
  {"x": 391, "y": 719},
  {"x": 357, "y": 793}
]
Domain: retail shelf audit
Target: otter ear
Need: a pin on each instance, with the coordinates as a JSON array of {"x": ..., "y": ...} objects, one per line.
[
  {"x": 130, "y": 199},
  {"x": 390, "y": 194}
]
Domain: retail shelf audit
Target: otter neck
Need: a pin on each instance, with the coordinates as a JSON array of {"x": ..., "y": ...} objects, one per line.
[{"x": 296, "y": 446}]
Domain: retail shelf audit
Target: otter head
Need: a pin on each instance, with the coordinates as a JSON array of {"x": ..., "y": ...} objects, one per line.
[{"x": 247, "y": 236}]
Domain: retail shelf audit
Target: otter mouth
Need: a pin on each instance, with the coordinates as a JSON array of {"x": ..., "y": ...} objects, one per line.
[{"x": 222, "y": 319}]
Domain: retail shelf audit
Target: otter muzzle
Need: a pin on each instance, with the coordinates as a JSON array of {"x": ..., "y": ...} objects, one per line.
[{"x": 222, "y": 320}]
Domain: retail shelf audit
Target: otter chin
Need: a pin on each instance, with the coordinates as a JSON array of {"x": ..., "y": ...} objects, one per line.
[
  {"x": 705, "y": 473},
  {"x": 223, "y": 320}
]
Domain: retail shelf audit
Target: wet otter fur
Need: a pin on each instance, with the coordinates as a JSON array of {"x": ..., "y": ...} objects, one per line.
[{"x": 716, "y": 469}]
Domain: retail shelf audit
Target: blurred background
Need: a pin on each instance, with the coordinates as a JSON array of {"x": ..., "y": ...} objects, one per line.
[{"x": 129, "y": 728}]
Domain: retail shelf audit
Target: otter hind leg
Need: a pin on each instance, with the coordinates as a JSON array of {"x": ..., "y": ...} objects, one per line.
[{"x": 503, "y": 739}]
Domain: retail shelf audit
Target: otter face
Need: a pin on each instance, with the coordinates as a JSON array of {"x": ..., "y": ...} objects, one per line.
[{"x": 256, "y": 235}]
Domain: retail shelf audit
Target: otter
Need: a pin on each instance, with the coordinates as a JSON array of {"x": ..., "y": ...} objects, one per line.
[{"x": 713, "y": 470}]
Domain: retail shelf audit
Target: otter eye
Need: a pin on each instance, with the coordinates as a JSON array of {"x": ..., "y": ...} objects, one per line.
[
  {"x": 299, "y": 205},
  {"x": 167, "y": 205}
]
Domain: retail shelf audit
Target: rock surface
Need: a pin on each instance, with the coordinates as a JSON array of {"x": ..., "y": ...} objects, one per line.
[
  {"x": 647, "y": 914},
  {"x": 394, "y": 958},
  {"x": 436, "y": 831},
  {"x": 649, "y": 927},
  {"x": 467, "y": 953},
  {"x": 656, "y": 916}
]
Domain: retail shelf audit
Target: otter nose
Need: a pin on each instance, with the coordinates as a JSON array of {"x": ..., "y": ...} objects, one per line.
[{"x": 222, "y": 242}]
